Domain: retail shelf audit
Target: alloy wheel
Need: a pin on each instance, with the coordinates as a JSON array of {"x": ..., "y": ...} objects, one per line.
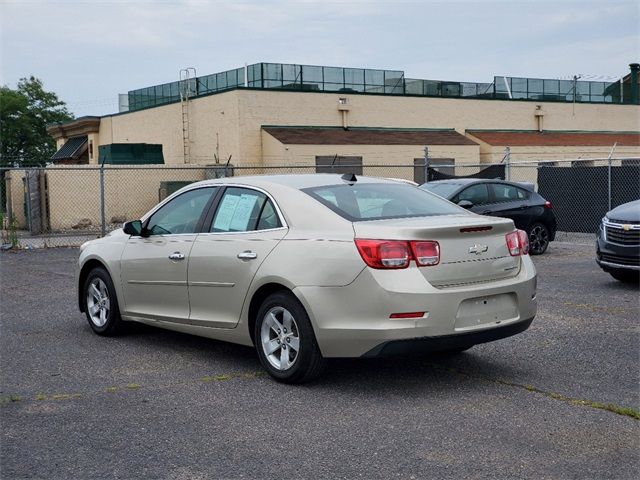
[
  {"x": 280, "y": 338},
  {"x": 538, "y": 239},
  {"x": 98, "y": 303}
]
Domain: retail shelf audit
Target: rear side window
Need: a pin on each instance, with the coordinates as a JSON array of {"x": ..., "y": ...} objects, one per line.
[
  {"x": 244, "y": 210},
  {"x": 507, "y": 193},
  {"x": 376, "y": 201}
]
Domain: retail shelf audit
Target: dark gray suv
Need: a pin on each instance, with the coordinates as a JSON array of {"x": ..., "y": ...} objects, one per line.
[{"x": 618, "y": 244}]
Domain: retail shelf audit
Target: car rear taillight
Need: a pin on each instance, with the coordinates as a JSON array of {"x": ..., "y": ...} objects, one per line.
[
  {"x": 384, "y": 253},
  {"x": 396, "y": 254},
  {"x": 426, "y": 254},
  {"x": 517, "y": 243},
  {"x": 548, "y": 204}
]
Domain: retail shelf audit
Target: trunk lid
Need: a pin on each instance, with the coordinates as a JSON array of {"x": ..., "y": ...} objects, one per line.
[{"x": 473, "y": 248}]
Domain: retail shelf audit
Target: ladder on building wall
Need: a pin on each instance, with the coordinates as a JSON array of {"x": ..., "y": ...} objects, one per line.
[{"x": 188, "y": 89}]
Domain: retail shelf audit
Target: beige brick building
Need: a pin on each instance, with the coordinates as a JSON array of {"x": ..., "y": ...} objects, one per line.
[{"x": 199, "y": 123}]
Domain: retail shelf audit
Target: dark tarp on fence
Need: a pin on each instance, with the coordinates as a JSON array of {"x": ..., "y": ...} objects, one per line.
[
  {"x": 580, "y": 195},
  {"x": 491, "y": 172}
]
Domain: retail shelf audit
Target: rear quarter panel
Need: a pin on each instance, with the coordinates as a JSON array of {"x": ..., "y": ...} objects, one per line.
[{"x": 318, "y": 249}]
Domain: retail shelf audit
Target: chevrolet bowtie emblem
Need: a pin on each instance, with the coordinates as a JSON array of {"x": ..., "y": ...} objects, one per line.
[
  {"x": 626, "y": 228},
  {"x": 478, "y": 249}
]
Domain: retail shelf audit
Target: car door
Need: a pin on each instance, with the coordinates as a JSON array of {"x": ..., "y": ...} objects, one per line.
[
  {"x": 244, "y": 228},
  {"x": 154, "y": 266},
  {"x": 511, "y": 202},
  {"x": 478, "y": 194}
]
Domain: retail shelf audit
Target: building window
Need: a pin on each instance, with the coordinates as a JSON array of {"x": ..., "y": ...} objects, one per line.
[{"x": 131, "y": 154}]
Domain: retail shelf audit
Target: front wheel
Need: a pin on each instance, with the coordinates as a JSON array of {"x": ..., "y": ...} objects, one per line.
[
  {"x": 538, "y": 239},
  {"x": 101, "y": 304},
  {"x": 285, "y": 341}
]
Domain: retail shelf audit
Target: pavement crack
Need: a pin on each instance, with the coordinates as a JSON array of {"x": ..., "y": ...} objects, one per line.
[{"x": 609, "y": 407}]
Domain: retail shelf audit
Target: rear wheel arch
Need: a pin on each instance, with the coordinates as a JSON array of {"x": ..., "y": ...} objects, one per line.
[{"x": 259, "y": 296}]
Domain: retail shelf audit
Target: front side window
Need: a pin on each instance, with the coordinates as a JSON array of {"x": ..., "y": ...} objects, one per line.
[
  {"x": 181, "y": 214},
  {"x": 442, "y": 189},
  {"x": 244, "y": 210},
  {"x": 376, "y": 201},
  {"x": 476, "y": 194}
]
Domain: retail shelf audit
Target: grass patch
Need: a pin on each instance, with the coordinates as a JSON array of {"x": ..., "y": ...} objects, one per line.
[{"x": 9, "y": 399}]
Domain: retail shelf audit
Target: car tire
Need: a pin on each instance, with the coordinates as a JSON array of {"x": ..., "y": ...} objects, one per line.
[
  {"x": 101, "y": 303},
  {"x": 538, "y": 239},
  {"x": 281, "y": 326},
  {"x": 626, "y": 276}
]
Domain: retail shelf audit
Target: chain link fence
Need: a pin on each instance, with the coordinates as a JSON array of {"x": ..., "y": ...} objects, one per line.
[
  {"x": 68, "y": 205},
  {"x": 581, "y": 191}
]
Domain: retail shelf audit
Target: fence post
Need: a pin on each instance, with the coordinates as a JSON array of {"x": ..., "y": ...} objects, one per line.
[
  {"x": 426, "y": 164},
  {"x": 103, "y": 226},
  {"x": 609, "y": 172},
  {"x": 28, "y": 211},
  {"x": 609, "y": 180},
  {"x": 8, "y": 183},
  {"x": 507, "y": 161}
]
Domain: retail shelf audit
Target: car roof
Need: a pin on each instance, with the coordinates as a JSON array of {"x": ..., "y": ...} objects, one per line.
[
  {"x": 467, "y": 181},
  {"x": 470, "y": 181},
  {"x": 295, "y": 180}
]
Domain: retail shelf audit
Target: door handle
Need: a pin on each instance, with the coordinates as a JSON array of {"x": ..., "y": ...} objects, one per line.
[
  {"x": 522, "y": 207},
  {"x": 247, "y": 255},
  {"x": 176, "y": 256},
  {"x": 486, "y": 212}
]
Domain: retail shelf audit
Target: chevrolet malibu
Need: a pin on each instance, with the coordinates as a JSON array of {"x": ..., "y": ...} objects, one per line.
[{"x": 310, "y": 267}]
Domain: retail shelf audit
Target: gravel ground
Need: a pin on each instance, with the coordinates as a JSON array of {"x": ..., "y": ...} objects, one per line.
[{"x": 557, "y": 401}]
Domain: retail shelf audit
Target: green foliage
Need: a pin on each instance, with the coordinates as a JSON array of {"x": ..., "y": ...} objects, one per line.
[{"x": 24, "y": 115}]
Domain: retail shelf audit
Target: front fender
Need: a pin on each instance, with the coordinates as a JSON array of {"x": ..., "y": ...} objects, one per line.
[{"x": 105, "y": 252}]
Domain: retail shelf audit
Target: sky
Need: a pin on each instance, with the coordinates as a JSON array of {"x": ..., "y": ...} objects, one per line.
[{"x": 90, "y": 51}]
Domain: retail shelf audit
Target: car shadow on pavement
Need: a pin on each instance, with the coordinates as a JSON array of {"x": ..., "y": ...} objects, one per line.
[
  {"x": 613, "y": 285},
  {"x": 376, "y": 374}
]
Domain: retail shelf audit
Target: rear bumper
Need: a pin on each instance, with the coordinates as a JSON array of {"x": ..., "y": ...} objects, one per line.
[
  {"x": 353, "y": 320},
  {"x": 446, "y": 342}
]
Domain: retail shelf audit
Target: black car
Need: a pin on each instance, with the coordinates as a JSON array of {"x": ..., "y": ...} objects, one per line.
[
  {"x": 517, "y": 201},
  {"x": 618, "y": 244}
]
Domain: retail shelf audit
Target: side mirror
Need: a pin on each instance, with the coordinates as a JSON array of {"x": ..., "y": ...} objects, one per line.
[
  {"x": 465, "y": 204},
  {"x": 132, "y": 228}
]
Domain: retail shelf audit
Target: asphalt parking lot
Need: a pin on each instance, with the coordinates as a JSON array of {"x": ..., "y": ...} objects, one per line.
[{"x": 558, "y": 401}]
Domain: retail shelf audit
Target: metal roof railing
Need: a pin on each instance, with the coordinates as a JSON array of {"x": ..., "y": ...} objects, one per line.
[{"x": 313, "y": 78}]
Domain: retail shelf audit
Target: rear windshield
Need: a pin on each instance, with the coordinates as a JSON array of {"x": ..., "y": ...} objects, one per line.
[
  {"x": 376, "y": 201},
  {"x": 443, "y": 189}
]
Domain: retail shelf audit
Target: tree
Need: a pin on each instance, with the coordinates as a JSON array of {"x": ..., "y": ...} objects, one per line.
[{"x": 24, "y": 115}]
